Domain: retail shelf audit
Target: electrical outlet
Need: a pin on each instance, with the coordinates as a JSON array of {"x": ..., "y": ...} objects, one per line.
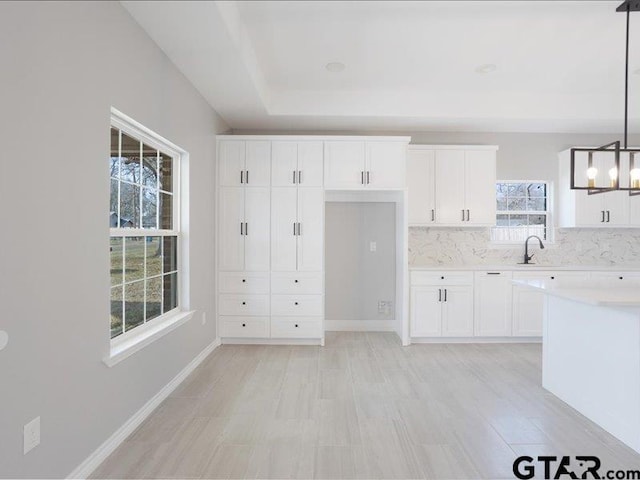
[
  {"x": 373, "y": 246},
  {"x": 31, "y": 435},
  {"x": 384, "y": 306},
  {"x": 204, "y": 318}
]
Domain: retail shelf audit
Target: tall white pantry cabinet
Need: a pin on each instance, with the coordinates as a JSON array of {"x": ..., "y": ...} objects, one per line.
[{"x": 270, "y": 226}]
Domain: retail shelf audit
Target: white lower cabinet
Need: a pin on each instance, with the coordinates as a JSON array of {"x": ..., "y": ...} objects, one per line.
[
  {"x": 245, "y": 327},
  {"x": 492, "y": 310},
  {"x": 439, "y": 308}
]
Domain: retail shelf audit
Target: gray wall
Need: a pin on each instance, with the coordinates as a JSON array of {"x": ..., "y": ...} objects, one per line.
[
  {"x": 355, "y": 277},
  {"x": 63, "y": 66}
]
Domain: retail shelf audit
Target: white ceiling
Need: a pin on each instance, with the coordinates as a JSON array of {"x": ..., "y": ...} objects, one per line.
[{"x": 409, "y": 65}]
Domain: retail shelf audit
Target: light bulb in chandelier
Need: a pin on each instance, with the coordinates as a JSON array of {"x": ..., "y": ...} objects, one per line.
[
  {"x": 634, "y": 176},
  {"x": 613, "y": 177},
  {"x": 592, "y": 173}
]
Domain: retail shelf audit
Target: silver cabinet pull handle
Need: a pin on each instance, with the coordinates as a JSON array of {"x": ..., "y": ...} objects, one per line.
[
  {"x": 433, "y": 215},
  {"x": 468, "y": 216},
  {"x": 368, "y": 177},
  {"x": 602, "y": 211},
  {"x": 608, "y": 216},
  {"x": 241, "y": 176},
  {"x": 246, "y": 176},
  {"x": 299, "y": 176},
  {"x": 246, "y": 228},
  {"x": 294, "y": 176},
  {"x": 294, "y": 228},
  {"x": 299, "y": 229},
  {"x": 445, "y": 294},
  {"x": 463, "y": 215},
  {"x": 241, "y": 228},
  {"x": 439, "y": 294},
  {"x": 362, "y": 177}
]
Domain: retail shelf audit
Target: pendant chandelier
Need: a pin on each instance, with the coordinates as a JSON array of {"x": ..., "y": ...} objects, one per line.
[{"x": 590, "y": 159}]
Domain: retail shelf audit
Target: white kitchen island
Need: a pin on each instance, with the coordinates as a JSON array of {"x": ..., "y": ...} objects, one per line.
[{"x": 591, "y": 352}]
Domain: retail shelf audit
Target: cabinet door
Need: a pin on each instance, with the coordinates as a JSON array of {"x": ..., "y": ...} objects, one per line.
[
  {"x": 528, "y": 310},
  {"x": 311, "y": 164},
  {"x": 616, "y": 206},
  {"x": 590, "y": 211},
  {"x": 258, "y": 163},
  {"x": 492, "y": 305},
  {"x": 311, "y": 229},
  {"x": 284, "y": 164},
  {"x": 283, "y": 238},
  {"x": 450, "y": 187},
  {"x": 426, "y": 312},
  {"x": 231, "y": 161},
  {"x": 258, "y": 227},
  {"x": 421, "y": 165},
  {"x": 386, "y": 165},
  {"x": 457, "y": 311},
  {"x": 344, "y": 165},
  {"x": 229, "y": 229},
  {"x": 480, "y": 187}
]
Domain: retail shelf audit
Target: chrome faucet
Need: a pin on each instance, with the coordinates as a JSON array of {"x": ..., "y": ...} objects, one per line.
[{"x": 528, "y": 257}]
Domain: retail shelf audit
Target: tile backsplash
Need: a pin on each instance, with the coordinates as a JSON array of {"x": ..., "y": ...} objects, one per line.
[{"x": 465, "y": 246}]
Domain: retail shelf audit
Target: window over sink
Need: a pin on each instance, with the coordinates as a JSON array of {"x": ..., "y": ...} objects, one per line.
[{"x": 522, "y": 209}]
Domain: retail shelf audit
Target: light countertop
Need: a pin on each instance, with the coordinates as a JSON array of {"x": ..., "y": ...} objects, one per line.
[
  {"x": 524, "y": 268},
  {"x": 587, "y": 291}
]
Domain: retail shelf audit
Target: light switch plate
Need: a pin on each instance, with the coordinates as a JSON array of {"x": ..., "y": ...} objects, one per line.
[
  {"x": 373, "y": 246},
  {"x": 31, "y": 435}
]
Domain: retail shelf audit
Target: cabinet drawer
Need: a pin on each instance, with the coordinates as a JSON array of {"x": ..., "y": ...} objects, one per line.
[
  {"x": 297, "y": 283},
  {"x": 244, "y": 305},
  {"x": 568, "y": 277},
  {"x": 442, "y": 278},
  {"x": 244, "y": 282},
  {"x": 297, "y": 305},
  {"x": 254, "y": 327},
  {"x": 631, "y": 279},
  {"x": 296, "y": 327}
]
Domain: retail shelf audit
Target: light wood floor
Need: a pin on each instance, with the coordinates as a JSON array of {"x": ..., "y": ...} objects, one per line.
[{"x": 361, "y": 407}]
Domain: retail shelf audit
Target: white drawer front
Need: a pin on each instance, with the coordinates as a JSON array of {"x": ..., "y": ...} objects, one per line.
[
  {"x": 442, "y": 278},
  {"x": 244, "y": 282},
  {"x": 296, "y": 327},
  {"x": 297, "y": 305},
  {"x": 244, "y": 305},
  {"x": 254, "y": 327},
  {"x": 305, "y": 283}
]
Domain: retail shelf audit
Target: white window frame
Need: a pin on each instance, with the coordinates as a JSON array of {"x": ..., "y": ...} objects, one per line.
[
  {"x": 137, "y": 338},
  {"x": 549, "y": 214}
]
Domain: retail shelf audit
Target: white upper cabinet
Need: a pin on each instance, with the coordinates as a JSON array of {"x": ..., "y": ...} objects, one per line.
[
  {"x": 452, "y": 186},
  {"x": 386, "y": 165},
  {"x": 310, "y": 164},
  {"x": 256, "y": 229},
  {"x": 356, "y": 165},
  {"x": 231, "y": 155},
  {"x": 231, "y": 229},
  {"x": 284, "y": 164},
  {"x": 297, "y": 164},
  {"x": 284, "y": 218},
  {"x": 421, "y": 168},
  {"x": 480, "y": 187},
  {"x": 310, "y": 251},
  {"x": 297, "y": 229},
  {"x": 344, "y": 164},
  {"x": 245, "y": 163},
  {"x": 577, "y": 208},
  {"x": 449, "y": 186}
]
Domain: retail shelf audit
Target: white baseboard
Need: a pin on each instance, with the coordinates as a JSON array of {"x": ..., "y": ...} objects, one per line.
[
  {"x": 272, "y": 341},
  {"x": 477, "y": 340},
  {"x": 359, "y": 325},
  {"x": 103, "y": 451}
]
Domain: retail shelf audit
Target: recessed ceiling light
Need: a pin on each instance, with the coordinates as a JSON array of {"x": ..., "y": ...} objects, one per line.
[
  {"x": 335, "y": 67},
  {"x": 486, "y": 68}
]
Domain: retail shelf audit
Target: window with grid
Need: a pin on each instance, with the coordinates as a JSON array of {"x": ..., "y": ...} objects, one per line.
[
  {"x": 144, "y": 229},
  {"x": 522, "y": 210}
]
